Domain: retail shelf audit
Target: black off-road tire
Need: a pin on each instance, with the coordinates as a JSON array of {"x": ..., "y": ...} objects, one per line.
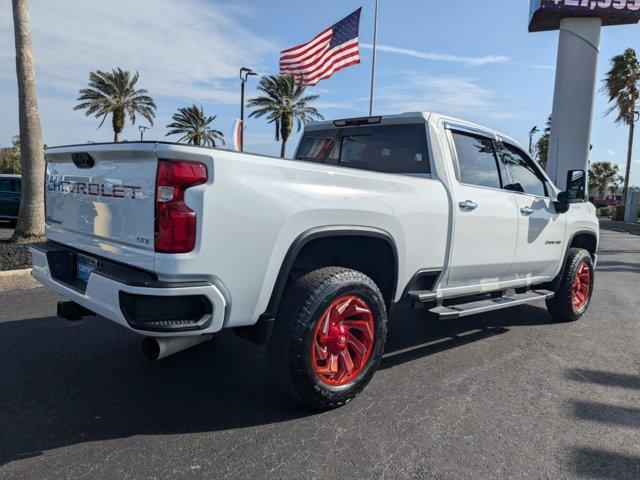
[
  {"x": 561, "y": 306},
  {"x": 289, "y": 346}
]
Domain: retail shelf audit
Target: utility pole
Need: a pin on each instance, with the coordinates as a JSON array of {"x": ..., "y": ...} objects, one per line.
[{"x": 244, "y": 76}]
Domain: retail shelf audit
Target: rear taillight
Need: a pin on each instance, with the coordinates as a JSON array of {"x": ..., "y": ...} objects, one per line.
[{"x": 175, "y": 222}]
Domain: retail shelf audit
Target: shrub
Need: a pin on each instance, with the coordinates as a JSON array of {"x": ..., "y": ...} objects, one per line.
[{"x": 605, "y": 212}]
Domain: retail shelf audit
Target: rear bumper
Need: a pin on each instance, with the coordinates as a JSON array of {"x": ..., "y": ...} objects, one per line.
[{"x": 125, "y": 298}]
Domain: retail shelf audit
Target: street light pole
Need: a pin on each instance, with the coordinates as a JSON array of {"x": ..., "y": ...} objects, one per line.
[
  {"x": 244, "y": 76},
  {"x": 142, "y": 129},
  {"x": 532, "y": 132}
]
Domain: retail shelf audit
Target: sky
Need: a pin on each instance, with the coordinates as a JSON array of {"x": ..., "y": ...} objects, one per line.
[{"x": 474, "y": 60}]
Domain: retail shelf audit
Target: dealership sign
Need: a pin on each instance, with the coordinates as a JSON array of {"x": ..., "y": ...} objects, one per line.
[{"x": 547, "y": 14}]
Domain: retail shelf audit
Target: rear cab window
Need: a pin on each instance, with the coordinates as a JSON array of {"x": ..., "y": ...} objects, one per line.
[{"x": 400, "y": 149}]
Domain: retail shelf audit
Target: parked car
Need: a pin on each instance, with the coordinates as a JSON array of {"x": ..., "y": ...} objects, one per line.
[
  {"x": 10, "y": 197},
  {"x": 177, "y": 242},
  {"x": 608, "y": 201}
]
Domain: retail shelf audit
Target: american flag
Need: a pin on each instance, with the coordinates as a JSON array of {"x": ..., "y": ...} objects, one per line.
[{"x": 330, "y": 51}]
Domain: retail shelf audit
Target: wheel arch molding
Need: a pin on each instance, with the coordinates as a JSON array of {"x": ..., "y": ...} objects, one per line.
[
  {"x": 302, "y": 252},
  {"x": 586, "y": 239},
  {"x": 582, "y": 238}
]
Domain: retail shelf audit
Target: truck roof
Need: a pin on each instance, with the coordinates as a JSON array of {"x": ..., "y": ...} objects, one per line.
[{"x": 407, "y": 117}]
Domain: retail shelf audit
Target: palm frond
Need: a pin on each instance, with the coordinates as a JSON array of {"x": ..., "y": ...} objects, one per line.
[
  {"x": 115, "y": 91},
  {"x": 193, "y": 124},
  {"x": 284, "y": 97},
  {"x": 622, "y": 86}
]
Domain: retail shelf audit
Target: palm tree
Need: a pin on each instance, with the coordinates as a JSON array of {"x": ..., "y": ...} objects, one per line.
[
  {"x": 622, "y": 85},
  {"x": 284, "y": 101},
  {"x": 542, "y": 145},
  {"x": 604, "y": 177},
  {"x": 10, "y": 157},
  {"x": 115, "y": 93},
  {"x": 193, "y": 125},
  {"x": 31, "y": 217}
]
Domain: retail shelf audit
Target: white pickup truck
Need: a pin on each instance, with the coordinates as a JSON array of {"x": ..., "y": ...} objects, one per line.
[{"x": 177, "y": 242}]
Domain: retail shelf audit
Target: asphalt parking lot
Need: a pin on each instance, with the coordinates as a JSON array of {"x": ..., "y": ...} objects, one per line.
[{"x": 502, "y": 395}]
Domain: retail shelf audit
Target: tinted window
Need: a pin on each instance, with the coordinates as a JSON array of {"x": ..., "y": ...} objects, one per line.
[
  {"x": 477, "y": 160},
  {"x": 353, "y": 148},
  {"x": 523, "y": 176},
  {"x": 385, "y": 148},
  {"x": 7, "y": 185},
  {"x": 319, "y": 146}
]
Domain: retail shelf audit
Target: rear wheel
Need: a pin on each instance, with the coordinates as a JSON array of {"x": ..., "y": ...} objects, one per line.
[
  {"x": 573, "y": 295},
  {"x": 328, "y": 338}
]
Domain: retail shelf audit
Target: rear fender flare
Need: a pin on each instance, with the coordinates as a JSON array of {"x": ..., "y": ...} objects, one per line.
[{"x": 323, "y": 232}]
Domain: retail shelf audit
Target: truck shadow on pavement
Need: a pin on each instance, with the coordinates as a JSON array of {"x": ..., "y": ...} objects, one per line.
[
  {"x": 615, "y": 266},
  {"x": 599, "y": 463},
  {"x": 413, "y": 335},
  {"x": 69, "y": 383},
  {"x": 594, "y": 463}
]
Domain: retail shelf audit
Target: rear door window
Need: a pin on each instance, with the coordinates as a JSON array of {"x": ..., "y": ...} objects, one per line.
[
  {"x": 385, "y": 148},
  {"x": 477, "y": 160}
]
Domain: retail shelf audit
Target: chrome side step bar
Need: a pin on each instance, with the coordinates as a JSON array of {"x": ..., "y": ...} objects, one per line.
[
  {"x": 489, "y": 305},
  {"x": 422, "y": 295}
]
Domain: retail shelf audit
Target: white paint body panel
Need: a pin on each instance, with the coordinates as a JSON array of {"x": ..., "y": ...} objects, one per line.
[
  {"x": 113, "y": 227},
  {"x": 253, "y": 208},
  {"x": 540, "y": 238},
  {"x": 484, "y": 240}
]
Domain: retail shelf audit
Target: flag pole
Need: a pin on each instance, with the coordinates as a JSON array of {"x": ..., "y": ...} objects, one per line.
[{"x": 373, "y": 63}]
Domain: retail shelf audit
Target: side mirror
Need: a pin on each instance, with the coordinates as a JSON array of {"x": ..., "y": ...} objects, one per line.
[
  {"x": 576, "y": 186},
  {"x": 575, "y": 191},
  {"x": 562, "y": 204}
]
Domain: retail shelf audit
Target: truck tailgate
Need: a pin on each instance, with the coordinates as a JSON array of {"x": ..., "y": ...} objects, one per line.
[{"x": 101, "y": 198}]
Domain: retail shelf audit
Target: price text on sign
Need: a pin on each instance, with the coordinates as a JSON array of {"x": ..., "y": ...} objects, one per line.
[{"x": 631, "y": 5}]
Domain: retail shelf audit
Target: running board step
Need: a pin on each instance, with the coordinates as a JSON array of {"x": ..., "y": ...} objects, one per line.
[
  {"x": 482, "y": 306},
  {"x": 422, "y": 295}
]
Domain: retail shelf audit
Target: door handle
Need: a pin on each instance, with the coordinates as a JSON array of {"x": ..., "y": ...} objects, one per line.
[
  {"x": 468, "y": 206},
  {"x": 526, "y": 211}
]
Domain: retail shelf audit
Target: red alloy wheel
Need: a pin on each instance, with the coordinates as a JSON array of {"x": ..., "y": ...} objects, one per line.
[
  {"x": 343, "y": 341},
  {"x": 581, "y": 287}
]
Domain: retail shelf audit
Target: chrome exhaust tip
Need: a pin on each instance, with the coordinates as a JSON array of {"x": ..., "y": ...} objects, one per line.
[{"x": 156, "y": 348}]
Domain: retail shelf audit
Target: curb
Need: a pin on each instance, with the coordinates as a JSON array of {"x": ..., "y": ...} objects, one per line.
[
  {"x": 15, "y": 273},
  {"x": 17, "y": 280},
  {"x": 632, "y": 228}
]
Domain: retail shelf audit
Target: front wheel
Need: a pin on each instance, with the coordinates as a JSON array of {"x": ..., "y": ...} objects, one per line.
[
  {"x": 329, "y": 337},
  {"x": 573, "y": 295}
]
